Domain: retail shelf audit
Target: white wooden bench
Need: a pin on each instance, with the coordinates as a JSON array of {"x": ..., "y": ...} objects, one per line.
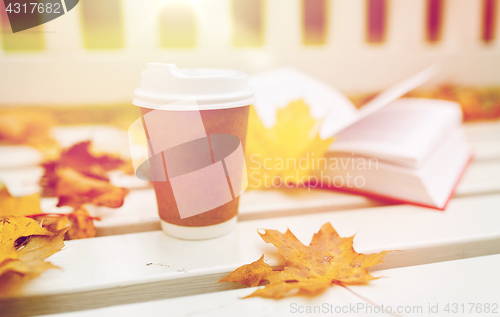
[
  {"x": 132, "y": 262},
  {"x": 435, "y": 289},
  {"x": 139, "y": 212}
]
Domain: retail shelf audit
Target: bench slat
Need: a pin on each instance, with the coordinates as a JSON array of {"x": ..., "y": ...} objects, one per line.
[
  {"x": 480, "y": 178},
  {"x": 486, "y": 150},
  {"x": 482, "y": 130},
  {"x": 483, "y": 137},
  {"x": 414, "y": 289},
  {"x": 135, "y": 267},
  {"x": 139, "y": 212}
]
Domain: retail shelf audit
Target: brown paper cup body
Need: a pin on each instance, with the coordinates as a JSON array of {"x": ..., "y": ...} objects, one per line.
[{"x": 216, "y": 121}]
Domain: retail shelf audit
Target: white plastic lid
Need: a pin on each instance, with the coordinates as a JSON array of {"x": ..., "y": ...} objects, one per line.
[{"x": 212, "y": 88}]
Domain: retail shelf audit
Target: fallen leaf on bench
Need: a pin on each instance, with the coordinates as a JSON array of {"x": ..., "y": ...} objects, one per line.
[
  {"x": 53, "y": 222},
  {"x": 309, "y": 270},
  {"x": 75, "y": 189},
  {"x": 18, "y": 206},
  {"x": 283, "y": 154},
  {"x": 80, "y": 223},
  {"x": 80, "y": 158},
  {"x": 24, "y": 246}
]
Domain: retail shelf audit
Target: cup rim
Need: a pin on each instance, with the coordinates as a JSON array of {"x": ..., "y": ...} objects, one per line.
[{"x": 164, "y": 86}]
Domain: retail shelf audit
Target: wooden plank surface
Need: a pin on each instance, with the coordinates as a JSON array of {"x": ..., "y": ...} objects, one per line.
[
  {"x": 139, "y": 212},
  {"x": 16, "y": 156},
  {"x": 488, "y": 150},
  {"x": 144, "y": 266},
  {"x": 483, "y": 137},
  {"x": 423, "y": 290},
  {"x": 480, "y": 178},
  {"x": 482, "y": 130},
  {"x": 139, "y": 267}
]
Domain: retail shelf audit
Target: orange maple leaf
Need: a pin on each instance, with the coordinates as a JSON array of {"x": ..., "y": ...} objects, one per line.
[
  {"x": 80, "y": 223},
  {"x": 75, "y": 189},
  {"x": 309, "y": 270},
  {"x": 79, "y": 177},
  {"x": 80, "y": 158}
]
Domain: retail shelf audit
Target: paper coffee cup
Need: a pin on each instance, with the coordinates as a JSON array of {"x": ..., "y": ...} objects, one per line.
[{"x": 195, "y": 121}]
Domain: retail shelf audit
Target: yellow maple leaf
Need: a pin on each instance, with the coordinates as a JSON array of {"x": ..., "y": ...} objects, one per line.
[
  {"x": 18, "y": 206},
  {"x": 80, "y": 222},
  {"x": 286, "y": 153},
  {"x": 309, "y": 270},
  {"x": 24, "y": 246}
]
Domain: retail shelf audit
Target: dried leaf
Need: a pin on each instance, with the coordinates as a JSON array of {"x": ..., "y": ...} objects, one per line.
[
  {"x": 53, "y": 222},
  {"x": 49, "y": 179},
  {"x": 283, "y": 154},
  {"x": 18, "y": 206},
  {"x": 80, "y": 222},
  {"x": 24, "y": 246},
  {"x": 81, "y": 225},
  {"x": 309, "y": 270},
  {"x": 80, "y": 158},
  {"x": 75, "y": 189},
  {"x": 88, "y": 165}
]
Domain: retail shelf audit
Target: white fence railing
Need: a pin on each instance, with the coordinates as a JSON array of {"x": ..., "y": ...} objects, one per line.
[{"x": 67, "y": 73}]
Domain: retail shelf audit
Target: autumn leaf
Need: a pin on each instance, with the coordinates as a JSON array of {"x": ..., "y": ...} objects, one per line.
[
  {"x": 283, "y": 154},
  {"x": 80, "y": 222},
  {"x": 18, "y": 206},
  {"x": 13, "y": 228},
  {"x": 75, "y": 189},
  {"x": 49, "y": 179},
  {"x": 52, "y": 222},
  {"x": 79, "y": 164},
  {"x": 81, "y": 225},
  {"x": 24, "y": 246},
  {"x": 309, "y": 270},
  {"x": 80, "y": 158}
]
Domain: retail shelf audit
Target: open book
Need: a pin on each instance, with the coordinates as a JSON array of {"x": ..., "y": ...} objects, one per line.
[{"x": 409, "y": 149}]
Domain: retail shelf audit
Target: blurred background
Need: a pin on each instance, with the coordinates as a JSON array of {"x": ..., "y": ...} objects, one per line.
[{"x": 93, "y": 55}]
